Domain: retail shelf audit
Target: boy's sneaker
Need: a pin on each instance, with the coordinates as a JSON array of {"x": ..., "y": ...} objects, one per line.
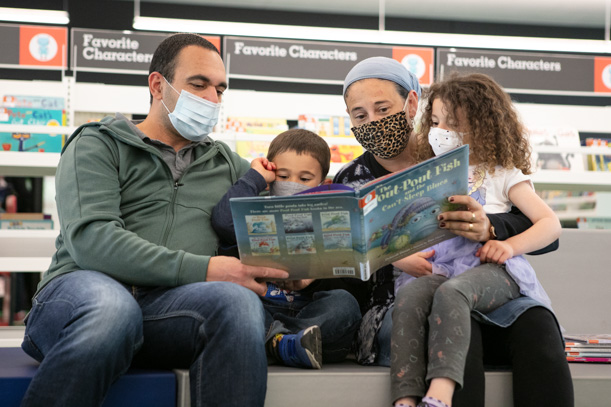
[{"x": 303, "y": 349}]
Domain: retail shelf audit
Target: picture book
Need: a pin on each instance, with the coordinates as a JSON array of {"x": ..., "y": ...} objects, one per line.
[
  {"x": 331, "y": 232},
  {"x": 540, "y": 138},
  {"x": 588, "y": 338},
  {"x": 588, "y": 359}
]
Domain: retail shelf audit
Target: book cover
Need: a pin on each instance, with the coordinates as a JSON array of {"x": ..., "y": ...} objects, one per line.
[
  {"x": 24, "y": 216},
  {"x": 541, "y": 137},
  {"x": 588, "y": 338},
  {"x": 42, "y": 224},
  {"x": 30, "y": 141},
  {"x": 351, "y": 233},
  {"x": 588, "y": 359}
]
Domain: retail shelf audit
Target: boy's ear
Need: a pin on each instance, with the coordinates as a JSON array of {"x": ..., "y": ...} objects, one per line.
[{"x": 327, "y": 181}]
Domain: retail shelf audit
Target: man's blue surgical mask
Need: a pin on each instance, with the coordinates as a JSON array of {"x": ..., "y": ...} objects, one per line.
[{"x": 193, "y": 117}]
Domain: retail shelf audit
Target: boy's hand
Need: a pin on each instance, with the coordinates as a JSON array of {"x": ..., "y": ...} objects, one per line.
[
  {"x": 495, "y": 251},
  {"x": 294, "y": 285},
  {"x": 266, "y": 168}
]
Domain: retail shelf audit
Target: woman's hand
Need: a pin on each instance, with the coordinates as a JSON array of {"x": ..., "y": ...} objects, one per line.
[
  {"x": 472, "y": 223},
  {"x": 417, "y": 264}
]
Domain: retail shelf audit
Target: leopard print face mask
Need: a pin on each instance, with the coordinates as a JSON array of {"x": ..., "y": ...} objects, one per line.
[{"x": 385, "y": 138}]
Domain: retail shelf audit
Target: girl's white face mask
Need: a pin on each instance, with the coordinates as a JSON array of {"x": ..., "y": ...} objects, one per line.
[
  {"x": 193, "y": 117},
  {"x": 444, "y": 140}
]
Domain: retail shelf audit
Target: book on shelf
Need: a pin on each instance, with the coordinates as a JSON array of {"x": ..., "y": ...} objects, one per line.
[
  {"x": 588, "y": 339},
  {"x": 334, "y": 231},
  {"x": 28, "y": 110},
  {"x": 593, "y": 222},
  {"x": 588, "y": 359},
  {"x": 24, "y": 216},
  {"x": 28, "y": 224},
  {"x": 332, "y": 126},
  {"x": 555, "y": 137},
  {"x": 588, "y": 347},
  {"x": 598, "y": 162},
  {"x": 34, "y": 102},
  {"x": 255, "y": 126}
]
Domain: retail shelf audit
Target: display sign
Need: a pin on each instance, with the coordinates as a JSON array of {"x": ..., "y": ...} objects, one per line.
[
  {"x": 530, "y": 72},
  {"x": 38, "y": 47},
  {"x": 117, "y": 51},
  {"x": 312, "y": 61}
]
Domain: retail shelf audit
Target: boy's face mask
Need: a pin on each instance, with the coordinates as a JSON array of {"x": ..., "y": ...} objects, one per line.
[
  {"x": 444, "y": 140},
  {"x": 387, "y": 137},
  {"x": 284, "y": 188},
  {"x": 193, "y": 117}
]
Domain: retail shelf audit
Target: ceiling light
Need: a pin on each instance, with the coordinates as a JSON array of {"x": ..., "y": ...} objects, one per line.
[
  {"x": 26, "y": 15},
  {"x": 372, "y": 36}
]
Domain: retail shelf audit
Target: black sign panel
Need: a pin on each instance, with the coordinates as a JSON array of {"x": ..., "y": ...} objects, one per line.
[
  {"x": 522, "y": 70},
  {"x": 311, "y": 61}
]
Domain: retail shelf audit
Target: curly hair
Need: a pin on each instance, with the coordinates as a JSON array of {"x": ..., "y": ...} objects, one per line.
[{"x": 497, "y": 135}]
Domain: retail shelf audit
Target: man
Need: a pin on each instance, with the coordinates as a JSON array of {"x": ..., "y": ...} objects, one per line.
[{"x": 134, "y": 277}]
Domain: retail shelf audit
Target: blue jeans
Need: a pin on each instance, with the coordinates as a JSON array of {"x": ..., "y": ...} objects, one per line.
[
  {"x": 86, "y": 328},
  {"x": 383, "y": 339},
  {"x": 336, "y": 312}
]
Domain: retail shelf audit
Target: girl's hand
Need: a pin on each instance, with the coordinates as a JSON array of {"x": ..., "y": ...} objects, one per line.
[
  {"x": 472, "y": 223},
  {"x": 417, "y": 264},
  {"x": 266, "y": 168},
  {"x": 495, "y": 251}
]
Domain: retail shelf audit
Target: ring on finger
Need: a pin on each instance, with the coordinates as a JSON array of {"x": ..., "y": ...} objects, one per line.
[
  {"x": 470, "y": 227},
  {"x": 472, "y": 217}
]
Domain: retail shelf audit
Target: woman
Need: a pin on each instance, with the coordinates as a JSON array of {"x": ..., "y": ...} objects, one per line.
[{"x": 381, "y": 97}]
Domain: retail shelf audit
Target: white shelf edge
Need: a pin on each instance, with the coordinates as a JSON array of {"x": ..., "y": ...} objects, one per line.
[
  {"x": 25, "y": 264},
  {"x": 21, "y": 163},
  {"x": 38, "y": 129}
]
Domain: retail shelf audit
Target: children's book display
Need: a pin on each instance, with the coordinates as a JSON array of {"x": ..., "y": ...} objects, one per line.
[
  {"x": 588, "y": 348},
  {"x": 255, "y": 126},
  {"x": 26, "y": 220},
  {"x": 598, "y": 162},
  {"x": 332, "y": 126},
  {"x": 32, "y": 110},
  {"x": 555, "y": 137},
  {"x": 351, "y": 233}
]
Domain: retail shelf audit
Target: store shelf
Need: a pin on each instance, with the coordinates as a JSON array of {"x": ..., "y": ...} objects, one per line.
[
  {"x": 25, "y": 164},
  {"x": 572, "y": 180},
  {"x": 26, "y": 250}
]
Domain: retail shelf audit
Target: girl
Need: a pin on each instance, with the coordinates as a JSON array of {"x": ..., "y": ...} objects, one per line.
[{"x": 431, "y": 319}]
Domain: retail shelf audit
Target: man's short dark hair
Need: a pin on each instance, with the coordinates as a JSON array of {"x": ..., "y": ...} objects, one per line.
[{"x": 165, "y": 56}]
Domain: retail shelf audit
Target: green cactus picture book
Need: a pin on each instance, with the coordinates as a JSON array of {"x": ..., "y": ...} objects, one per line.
[{"x": 335, "y": 231}]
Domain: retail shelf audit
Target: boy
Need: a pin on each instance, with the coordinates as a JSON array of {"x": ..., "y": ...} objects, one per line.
[{"x": 304, "y": 328}]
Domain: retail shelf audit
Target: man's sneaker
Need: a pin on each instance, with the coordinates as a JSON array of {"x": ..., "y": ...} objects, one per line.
[{"x": 303, "y": 349}]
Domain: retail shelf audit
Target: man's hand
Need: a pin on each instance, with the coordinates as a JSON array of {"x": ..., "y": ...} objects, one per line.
[
  {"x": 472, "y": 223},
  {"x": 224, "y": 268},
  {"x": 266, "y": 168},
  {"x": 417, "y": 264},
  {"x": 495, "y": 251}
]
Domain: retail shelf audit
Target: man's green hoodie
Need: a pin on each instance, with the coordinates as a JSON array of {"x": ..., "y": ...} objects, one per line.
[{"x": 121, "y": 213}]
